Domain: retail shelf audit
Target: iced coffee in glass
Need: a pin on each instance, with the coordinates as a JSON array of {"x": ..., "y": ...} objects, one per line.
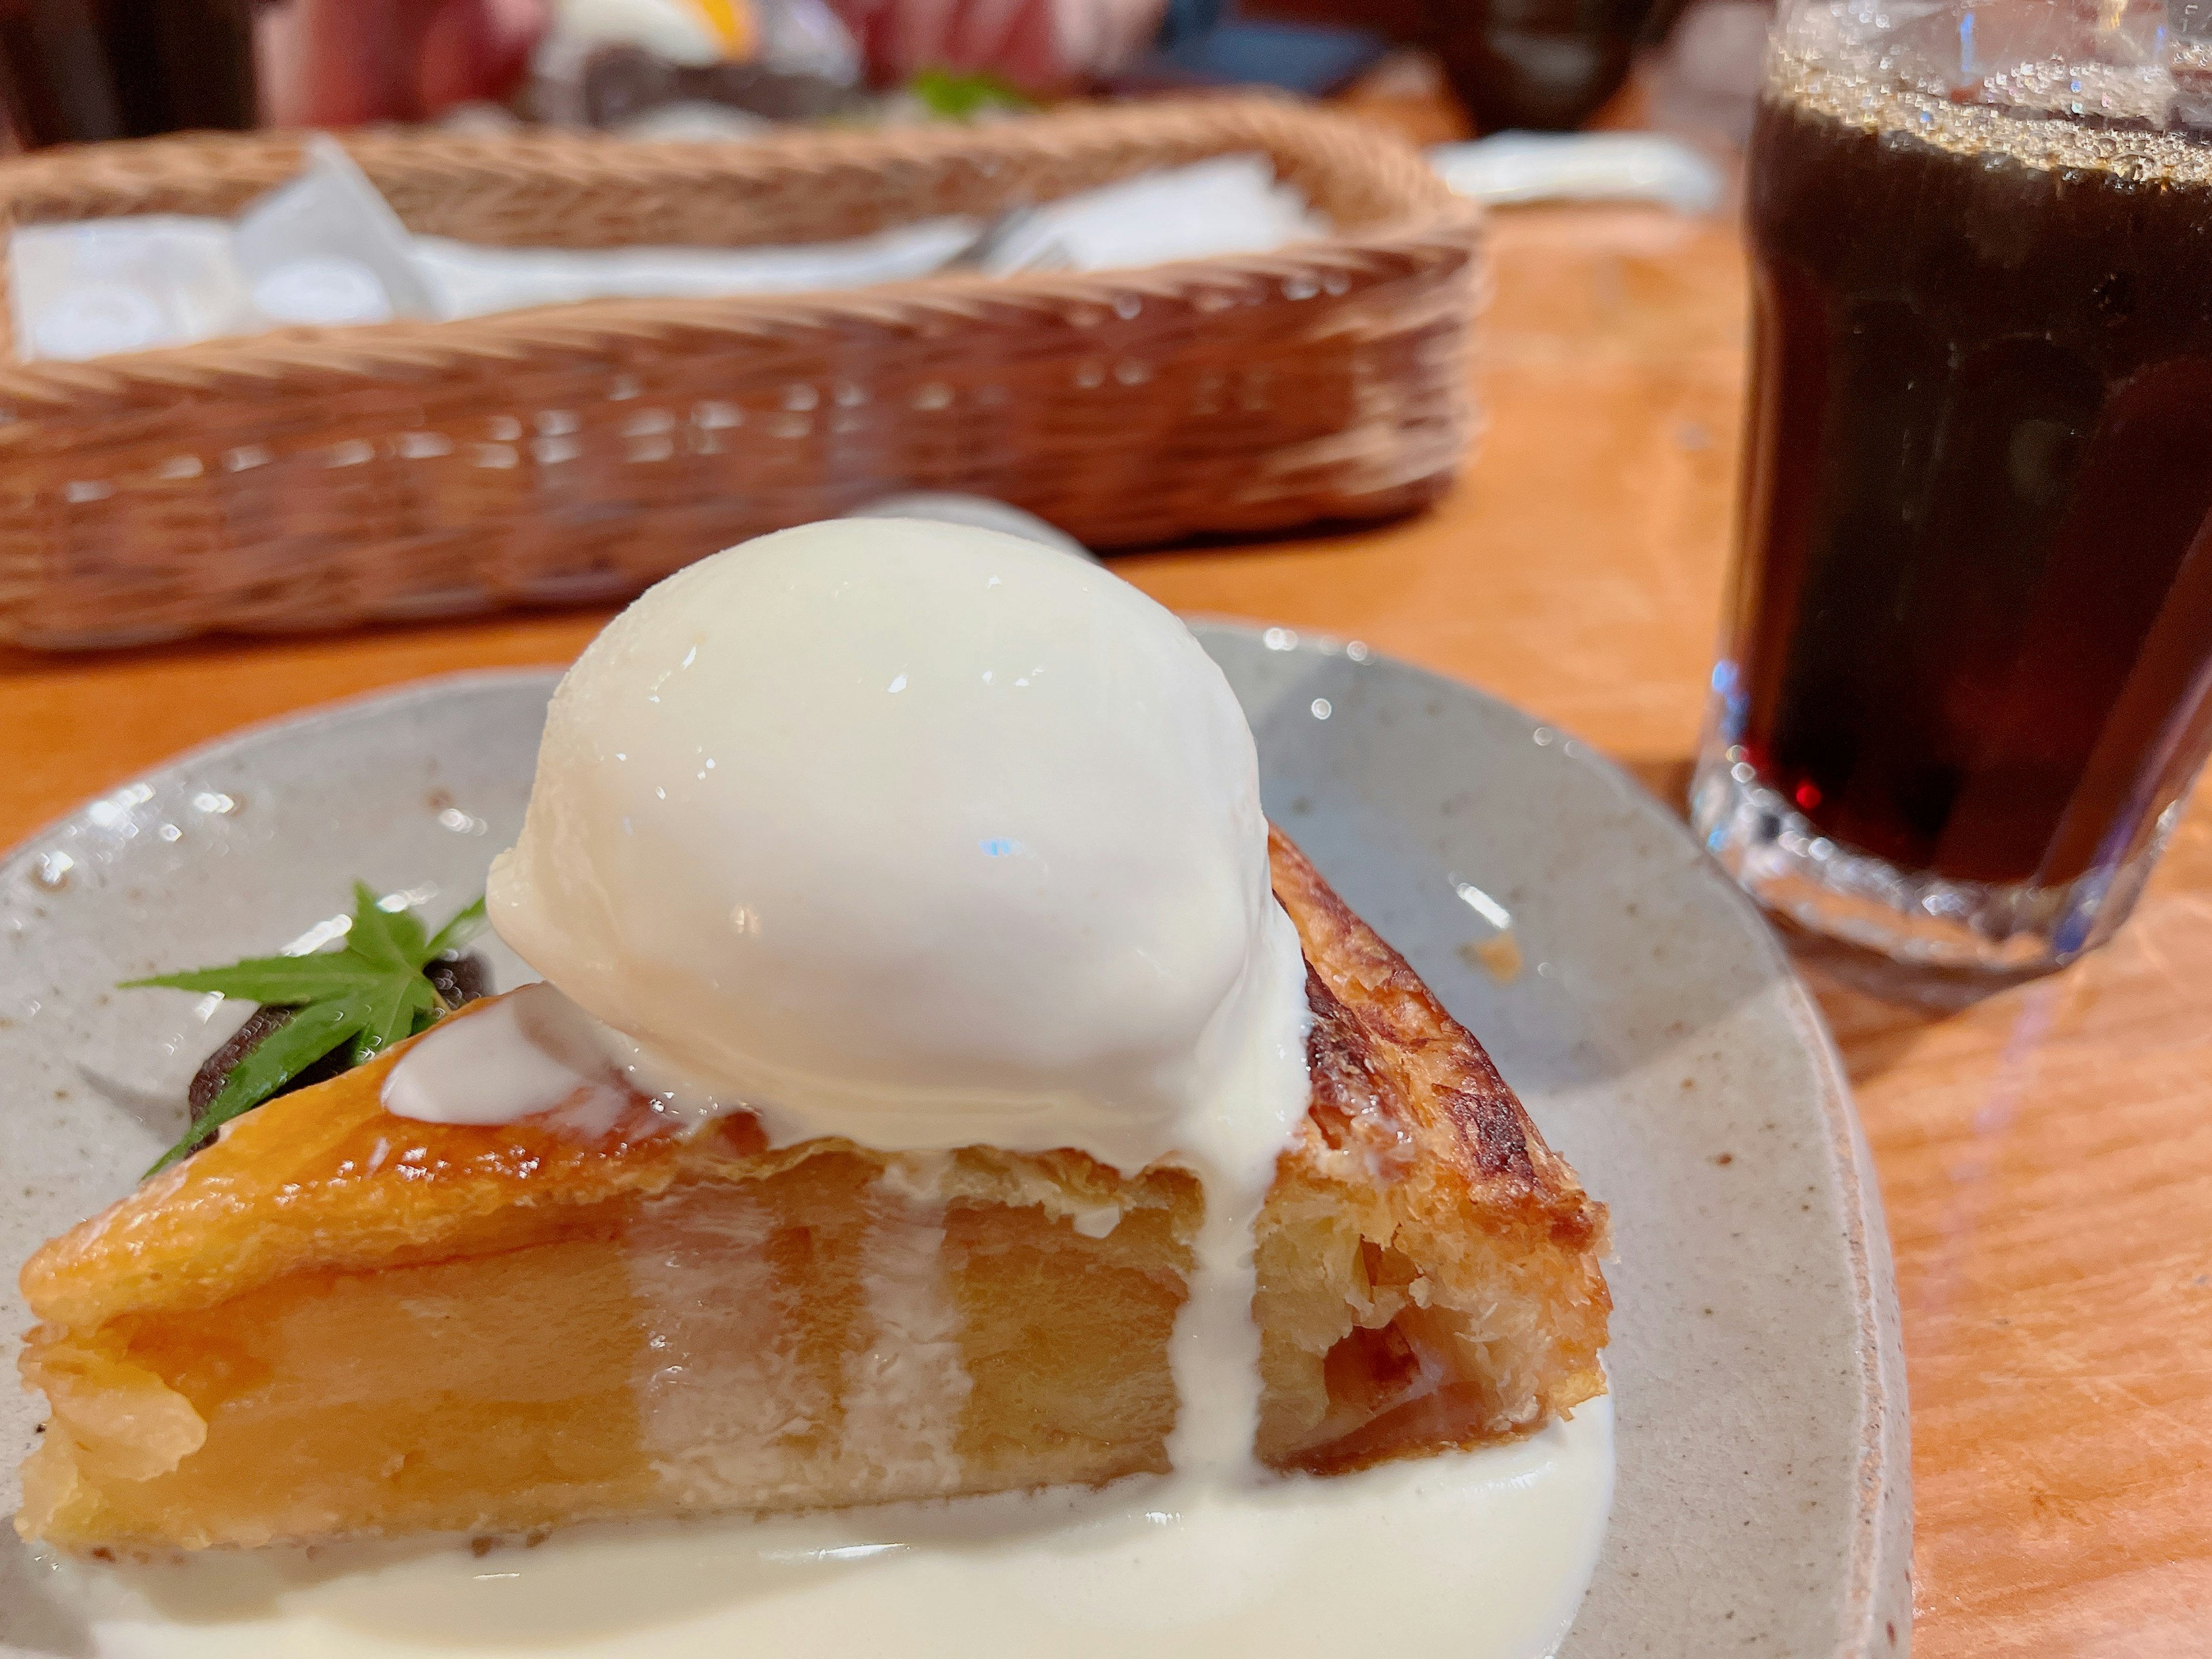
[{"x": 1964, "y": 689}]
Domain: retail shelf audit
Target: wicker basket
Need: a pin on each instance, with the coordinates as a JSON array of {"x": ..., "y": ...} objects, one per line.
[{"x": 318, "y": 477}]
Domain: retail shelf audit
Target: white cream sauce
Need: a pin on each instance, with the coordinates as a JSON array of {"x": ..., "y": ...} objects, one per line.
[
  {"x": 1477, "y": 1555},
  {"x": 929, "y": 840},
  {"x": 535, "y": 1052},
  {"x": 928, "y": 837},
  {"x": 530, "y": 1054},
  {"x": 913, "y": 833}
]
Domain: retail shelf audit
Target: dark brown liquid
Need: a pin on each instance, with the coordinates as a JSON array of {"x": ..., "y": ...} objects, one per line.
[{"x": 1974, "y": 626}]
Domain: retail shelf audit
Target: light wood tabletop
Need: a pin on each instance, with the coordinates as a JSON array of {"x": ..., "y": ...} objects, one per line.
[{"x": 2046, "y": 1151}]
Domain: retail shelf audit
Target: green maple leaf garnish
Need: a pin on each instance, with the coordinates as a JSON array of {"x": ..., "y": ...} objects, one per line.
[{"x": 370, "y": 995}]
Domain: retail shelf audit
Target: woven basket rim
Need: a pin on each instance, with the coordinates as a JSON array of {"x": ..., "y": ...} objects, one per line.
[
  {"x": 1435, "y": 221},
  {"x": 60, "y": 170}
]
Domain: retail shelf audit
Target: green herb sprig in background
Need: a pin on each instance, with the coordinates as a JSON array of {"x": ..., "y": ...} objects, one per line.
[
  {"x": 370, "y": 994},
  {"x": 957, "y": 95}
]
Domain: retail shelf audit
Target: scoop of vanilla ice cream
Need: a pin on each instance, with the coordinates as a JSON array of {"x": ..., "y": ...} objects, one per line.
[{"x": 917, "y": 833}]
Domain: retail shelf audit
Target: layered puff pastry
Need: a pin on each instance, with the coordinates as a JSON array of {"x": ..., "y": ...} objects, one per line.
[{"x": 338, "y": 1322}]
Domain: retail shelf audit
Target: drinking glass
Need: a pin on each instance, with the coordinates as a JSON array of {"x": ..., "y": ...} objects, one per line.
[{"x": 1967, "y": 679}]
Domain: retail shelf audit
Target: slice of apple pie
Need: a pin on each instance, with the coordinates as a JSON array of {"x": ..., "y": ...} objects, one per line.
[{"x": 338, "y": 1321}]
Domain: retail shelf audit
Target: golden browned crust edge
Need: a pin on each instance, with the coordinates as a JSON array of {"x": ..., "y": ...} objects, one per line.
[
  {"x": 1413, "y": 1135},
  {"x": 1382, "y": 1043},
  {"x": 1384, "y": 1057}
]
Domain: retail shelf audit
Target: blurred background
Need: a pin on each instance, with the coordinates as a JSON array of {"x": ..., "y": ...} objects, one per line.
[
  {"x": 1236, "y": 239},
  {"x": 85, "y": 70}
]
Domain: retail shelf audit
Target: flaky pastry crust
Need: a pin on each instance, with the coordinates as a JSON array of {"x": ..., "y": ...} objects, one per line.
[{"x": 1429, "y": 1278}]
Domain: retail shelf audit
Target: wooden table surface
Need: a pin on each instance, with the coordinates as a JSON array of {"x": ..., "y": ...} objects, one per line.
[{"x": 2046, "y": 1151}]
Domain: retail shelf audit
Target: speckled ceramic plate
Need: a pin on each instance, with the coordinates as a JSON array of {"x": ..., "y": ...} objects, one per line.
[{"x": 1654, "y": 1028}]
